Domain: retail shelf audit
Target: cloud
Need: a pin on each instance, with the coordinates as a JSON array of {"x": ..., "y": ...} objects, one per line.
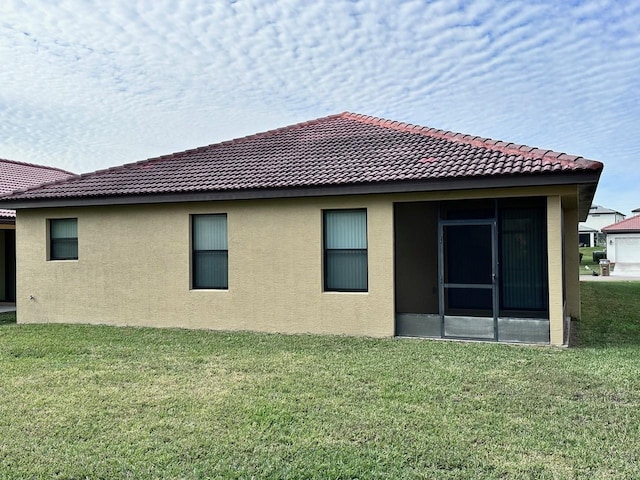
[{"x": 86, "y": 86}]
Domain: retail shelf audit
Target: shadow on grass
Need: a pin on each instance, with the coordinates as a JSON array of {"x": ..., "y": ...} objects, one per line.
[
  {"x": 610, "y": 314},
  {"x": 7, "y": 318}
]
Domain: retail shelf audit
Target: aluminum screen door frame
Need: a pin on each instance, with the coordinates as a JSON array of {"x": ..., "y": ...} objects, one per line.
[{"x": 493, "y": 285}]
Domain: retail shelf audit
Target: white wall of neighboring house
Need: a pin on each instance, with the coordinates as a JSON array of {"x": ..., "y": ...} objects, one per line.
[
  {"x": 623, "y": 246},
  {"x": 623, "y": 249},
  {"x": 598, "y": 218}
]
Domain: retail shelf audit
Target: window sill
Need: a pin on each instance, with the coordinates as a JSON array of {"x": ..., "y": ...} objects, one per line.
[
  {"x": 208, "y": 289},
  {"x": 343, "y": 292}
]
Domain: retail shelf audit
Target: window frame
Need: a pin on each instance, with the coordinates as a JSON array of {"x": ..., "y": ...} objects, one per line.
[
  {"x": 325, "y": 261},
  {"x": 51, "y": 240},
  {"x": 194, "y": 284}
]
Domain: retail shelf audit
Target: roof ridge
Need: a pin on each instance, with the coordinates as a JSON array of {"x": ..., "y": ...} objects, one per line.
[
  {"x": 525, "y": 151},
  {"x": 174, "y": 155},
  {"x": 27, "y": 164},
  {"x": 169, "y": 156},
  {"x": 269, "y": 133}
]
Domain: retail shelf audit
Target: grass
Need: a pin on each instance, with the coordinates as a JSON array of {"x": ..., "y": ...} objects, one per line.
[
  {"x": 587, "y": 260},
  {"x": 102, "y": 402},
  {"x": 611, "y": 314},
  {"x": 7, "y": 318}
]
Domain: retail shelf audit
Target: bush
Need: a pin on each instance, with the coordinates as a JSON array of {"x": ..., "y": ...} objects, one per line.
[{"x": 597, "y": 256}]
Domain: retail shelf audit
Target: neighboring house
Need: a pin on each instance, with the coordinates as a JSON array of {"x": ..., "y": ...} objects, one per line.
[
  {"x": 347, "y": 224},
  {"x": 587, "y": 236},
  {"x": 17, "y": 176},
  {"x": 590, "y": 232},
  {"x": 623, "y": 246},
  {"x": 636, "y": 211}
]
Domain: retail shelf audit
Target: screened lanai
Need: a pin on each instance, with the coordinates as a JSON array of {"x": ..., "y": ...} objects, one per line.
[{"x": 472, "y": 269}]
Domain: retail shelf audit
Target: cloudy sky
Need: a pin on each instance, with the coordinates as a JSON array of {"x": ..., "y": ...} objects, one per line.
[{"x": 86, "y": 85}]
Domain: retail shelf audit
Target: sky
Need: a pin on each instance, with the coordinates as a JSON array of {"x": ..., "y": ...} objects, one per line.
[{"x": 87, "y": 85}]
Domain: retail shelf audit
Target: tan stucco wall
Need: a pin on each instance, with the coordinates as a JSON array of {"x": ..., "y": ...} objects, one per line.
[
  {"x": 572, "y": 262},
  {"x": 133, "y": 269},
  {"x": 555, "y": 264},
  {"x": 133, "y": 266}
]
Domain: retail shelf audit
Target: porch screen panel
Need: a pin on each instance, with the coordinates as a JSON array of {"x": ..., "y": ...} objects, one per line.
[
  {"x": 64, "y": 238},
  {"x": 210, "y": 251},
  {"x": 523, "y": 259},
  {"x": 345, "y": 250}
]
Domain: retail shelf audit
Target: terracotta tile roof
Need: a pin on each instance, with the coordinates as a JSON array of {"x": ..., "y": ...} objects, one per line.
[
  {"x": 7, "y": 213},
  {"x": 19, "y": 176},
  {"x": 343, "y": 149},
  {"x": 629, "y": 225}
]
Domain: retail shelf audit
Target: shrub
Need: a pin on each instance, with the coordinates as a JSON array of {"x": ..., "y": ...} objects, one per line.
[{"x": 597, "y": 256}]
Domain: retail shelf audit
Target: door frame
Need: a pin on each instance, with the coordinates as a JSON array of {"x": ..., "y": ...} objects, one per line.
[{"x": 442, "y": 285}]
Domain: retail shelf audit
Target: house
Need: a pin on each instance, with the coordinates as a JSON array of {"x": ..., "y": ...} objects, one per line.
[
  {"x": 590, "y": 232},
  {"x": 347, "y": 224},
  {"x": 587, "y": 236},
  {"x": 623, "y": 246},
  {"x": 17, "y": 176}
]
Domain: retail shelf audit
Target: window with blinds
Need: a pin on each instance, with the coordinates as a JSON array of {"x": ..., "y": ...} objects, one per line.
[
  {"x": 210, "y": 256},
  {"x": 345, "y": 250},
  {"x": 63, "y": 239}
]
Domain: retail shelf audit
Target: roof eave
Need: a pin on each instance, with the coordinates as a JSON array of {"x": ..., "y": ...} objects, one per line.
[
  {"x": 586, "y": 181},
  {"x": 617, "y": 232}
]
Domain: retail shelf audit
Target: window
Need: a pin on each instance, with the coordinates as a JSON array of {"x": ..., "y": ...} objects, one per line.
[
  {"x": 345, "y": 250},
  {"x": 63, "y": 239},
  {"x": 210, "y": 258},
  {"x": 523, "y": 257}
]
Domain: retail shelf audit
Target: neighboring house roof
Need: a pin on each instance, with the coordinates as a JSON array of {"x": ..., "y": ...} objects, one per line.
[
  {"x": 19, "y": 175},
  {"x": 582, "y": 228},
  {"x": 599, "y": 210},
  {"x": 344, "y": 153},
  {"x": 635, "y": 210},
  {"x": 629, "y": 225}
]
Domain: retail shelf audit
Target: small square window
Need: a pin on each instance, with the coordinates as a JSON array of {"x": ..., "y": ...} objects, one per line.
[{"x": 63, "y": 239}]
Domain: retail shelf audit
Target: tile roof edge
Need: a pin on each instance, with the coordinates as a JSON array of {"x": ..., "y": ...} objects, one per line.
[
  {"x": 27, "y": 164},
  {"x": 524, "y": 151},
  {"x": 621, "y": 225}
]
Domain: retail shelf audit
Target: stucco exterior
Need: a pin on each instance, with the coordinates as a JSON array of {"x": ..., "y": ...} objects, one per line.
[
  {"x": 133, "y": 265},
  {"x": 133, "y": 269}
]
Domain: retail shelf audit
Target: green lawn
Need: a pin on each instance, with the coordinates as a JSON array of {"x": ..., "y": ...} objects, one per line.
[
  {"x": 103, "y": 402},
  {"x": 587, "y": 260}
]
